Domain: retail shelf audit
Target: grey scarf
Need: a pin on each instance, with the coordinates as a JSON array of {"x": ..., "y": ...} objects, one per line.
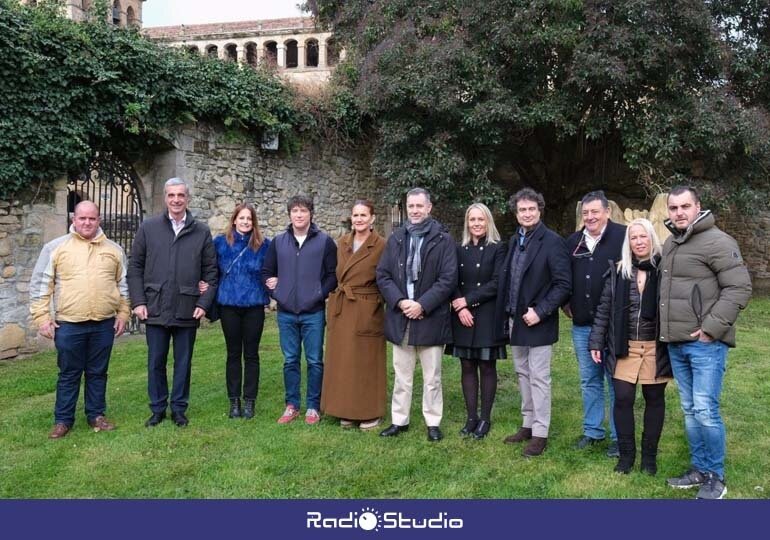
[{"x": 415, "y": 233}]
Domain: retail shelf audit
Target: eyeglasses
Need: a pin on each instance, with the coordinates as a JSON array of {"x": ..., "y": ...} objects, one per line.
[{"x": 581, "y": 249}]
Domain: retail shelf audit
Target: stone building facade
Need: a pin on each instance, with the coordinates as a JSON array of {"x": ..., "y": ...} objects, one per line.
[
  {"x": 300, "y": 52},
  {"x": 120, "y": 12}
]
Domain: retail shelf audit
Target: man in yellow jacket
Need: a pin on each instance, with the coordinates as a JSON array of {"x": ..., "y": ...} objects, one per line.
[{"x": 81, "y": 277}]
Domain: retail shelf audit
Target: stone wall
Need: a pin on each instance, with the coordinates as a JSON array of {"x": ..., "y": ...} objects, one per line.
[
  {"x": 753, "y": 235},
  {"x": 221, "y": 173},
  {"x": 25, "y": 225}
]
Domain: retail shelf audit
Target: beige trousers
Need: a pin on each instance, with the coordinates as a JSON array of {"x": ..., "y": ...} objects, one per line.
[
  {"x": 404, "y": 361},
  {"x": 533, "y": 366}
]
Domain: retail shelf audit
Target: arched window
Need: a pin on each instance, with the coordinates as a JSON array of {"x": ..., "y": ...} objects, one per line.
[
  {"x": 292, "y": 59},
  {"x": 130, "y": 16},
  {"x": 271, "y": 53},
  {"x": 116, "y": 13},
  {"x": 231, "y": 52},
  {"x": 251, "y": 54},
  {"x": 332, "y": 52},
  {"x": 311, "y": 53},
  {"x": 193, "y": 50},
  {"x": 212, "y": 51}
]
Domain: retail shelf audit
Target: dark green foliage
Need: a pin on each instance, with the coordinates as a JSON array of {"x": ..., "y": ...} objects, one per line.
[
  {"x": 68, "y": 89},
  {"x": 566, "y": 95}
]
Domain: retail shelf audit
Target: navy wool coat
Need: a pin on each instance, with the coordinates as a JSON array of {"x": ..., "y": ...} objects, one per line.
[{"x": 546, "y": 283}]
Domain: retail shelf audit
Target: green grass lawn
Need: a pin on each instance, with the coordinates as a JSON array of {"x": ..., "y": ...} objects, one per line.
[{"x": 216, "y": 457}]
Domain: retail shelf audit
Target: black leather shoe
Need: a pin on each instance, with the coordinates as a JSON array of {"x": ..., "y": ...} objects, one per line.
[
  {"x": 434, "y": 434},
  {"x": 179, "y": 419},
  {"x": 393, "y": 430},
  {"x": 469, "y": 427},
  {"x": 155, "y": 419},
  {"x": 481, "y": 429}
]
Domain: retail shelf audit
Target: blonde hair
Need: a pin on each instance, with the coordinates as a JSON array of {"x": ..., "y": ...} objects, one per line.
[
  {"x": 625, "y": 265},
  {"x": 493, "y": 236}
]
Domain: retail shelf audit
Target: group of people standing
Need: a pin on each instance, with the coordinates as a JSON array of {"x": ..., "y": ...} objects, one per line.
[{"x": 641, "y": 313}]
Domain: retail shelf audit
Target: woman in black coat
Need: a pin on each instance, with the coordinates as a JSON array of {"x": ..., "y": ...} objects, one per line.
[
  {"x": 626, "y": 327},
  {"x": 480, "y": 256}
]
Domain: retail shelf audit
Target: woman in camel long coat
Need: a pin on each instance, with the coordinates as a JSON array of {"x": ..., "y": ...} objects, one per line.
[{"x": 354, "y": 369}]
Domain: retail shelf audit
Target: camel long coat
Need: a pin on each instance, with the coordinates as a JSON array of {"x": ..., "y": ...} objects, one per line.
[{"x": 355, "y": 379}]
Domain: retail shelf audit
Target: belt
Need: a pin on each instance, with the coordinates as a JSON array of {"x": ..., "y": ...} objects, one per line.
[{"x": 349, "y": 292}]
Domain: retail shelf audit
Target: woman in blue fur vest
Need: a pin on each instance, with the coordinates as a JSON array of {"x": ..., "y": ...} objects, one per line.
[{"x": 242, "y": 299}]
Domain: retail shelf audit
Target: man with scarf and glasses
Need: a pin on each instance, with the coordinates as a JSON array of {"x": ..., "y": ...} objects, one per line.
[
  {"x": 591, "y": 249},
  {"x": 417, "y": 275}
]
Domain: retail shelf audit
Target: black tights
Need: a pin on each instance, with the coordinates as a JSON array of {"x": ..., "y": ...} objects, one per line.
[
  {"x": 654, "y": 409},
  {"x": 470, "y": 383}
]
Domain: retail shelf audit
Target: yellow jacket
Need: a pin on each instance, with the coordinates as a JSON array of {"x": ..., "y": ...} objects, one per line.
[{"x": 85, "y": 278}]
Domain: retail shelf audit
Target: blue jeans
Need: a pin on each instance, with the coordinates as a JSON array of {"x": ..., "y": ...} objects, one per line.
[
  {"x": 295, "y": 331},
  {"x": 592, "y": 377},
  {"x": 699, "y": 369},
  {"x": 82, "y": 348}
]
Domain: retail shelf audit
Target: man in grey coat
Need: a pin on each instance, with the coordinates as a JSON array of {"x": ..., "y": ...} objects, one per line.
[
  {"x": 172, "y": 252},
  {"x": 704, "y": 285}
]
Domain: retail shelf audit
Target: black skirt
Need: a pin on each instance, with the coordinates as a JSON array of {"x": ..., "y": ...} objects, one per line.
[{"x": 477, "y": 353}]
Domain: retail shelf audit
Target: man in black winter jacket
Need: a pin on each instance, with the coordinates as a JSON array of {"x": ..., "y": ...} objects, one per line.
[
  {"x": 591, "y": 248},
  {"x": 172, "y": 252},
  {"x": 417, "y": 275}
]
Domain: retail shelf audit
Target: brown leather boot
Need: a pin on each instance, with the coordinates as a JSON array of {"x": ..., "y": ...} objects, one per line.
[
  {"x": 59, "y": 431},
  {"x": 535, "y": 447},
  {"x": 524, "y": 434},
  {"x": 100, "y": 423}
]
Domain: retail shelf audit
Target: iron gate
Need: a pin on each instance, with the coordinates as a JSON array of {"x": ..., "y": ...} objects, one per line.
[{"x": 114, "y": 187}]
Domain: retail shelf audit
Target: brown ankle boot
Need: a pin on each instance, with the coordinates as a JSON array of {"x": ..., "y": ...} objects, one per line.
[{"x": 535, "y": 447}]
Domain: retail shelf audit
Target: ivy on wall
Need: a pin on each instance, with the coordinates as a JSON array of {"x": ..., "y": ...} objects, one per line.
[{"x": 68, "y": 89}]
